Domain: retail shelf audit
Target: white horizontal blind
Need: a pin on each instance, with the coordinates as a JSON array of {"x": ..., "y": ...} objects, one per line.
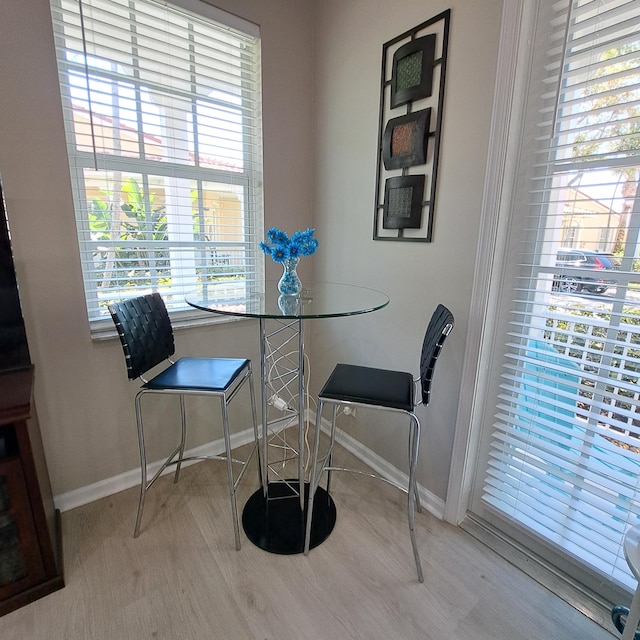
[
  {"x": 162, "y": 110},
  {"x": 564, "y": 462}
]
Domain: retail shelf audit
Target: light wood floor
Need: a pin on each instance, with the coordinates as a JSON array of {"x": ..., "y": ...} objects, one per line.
[{"x": 182, "y": 579}]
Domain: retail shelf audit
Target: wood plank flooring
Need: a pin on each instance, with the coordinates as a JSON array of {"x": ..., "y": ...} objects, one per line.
[{"x": 182, "y": 579}]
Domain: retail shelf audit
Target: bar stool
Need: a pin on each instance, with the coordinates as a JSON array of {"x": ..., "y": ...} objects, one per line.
[
  {"x": 146, "y": 336},
  {"x": 385, "y": 390}
]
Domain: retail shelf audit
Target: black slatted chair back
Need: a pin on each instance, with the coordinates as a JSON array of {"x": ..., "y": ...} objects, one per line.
[
  {"x": 439, "y": 328},
  {"x": 145, "y": 332}
]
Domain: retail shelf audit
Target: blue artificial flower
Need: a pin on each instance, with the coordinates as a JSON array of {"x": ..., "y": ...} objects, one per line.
[
  {"x": 294, "y": 250},
  {"x": 277, "y": 236},
  {"x": 279, "y": 253},
  {"x": 280, "y": 247},
  {"x": 305, "y": 242}
]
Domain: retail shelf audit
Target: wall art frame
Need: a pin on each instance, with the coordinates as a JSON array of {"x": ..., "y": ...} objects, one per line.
[
  {"x": 404, "y": 142},
  {"x": 409, "y": 136},
  {"x": 403, "y": 202},
  {"x": 412, "y": 70}
]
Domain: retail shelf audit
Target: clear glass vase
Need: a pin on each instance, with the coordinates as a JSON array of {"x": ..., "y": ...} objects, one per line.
[{"x": 290, "y": 284}]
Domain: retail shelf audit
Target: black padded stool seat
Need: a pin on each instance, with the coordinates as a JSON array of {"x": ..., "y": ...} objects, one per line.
[
  {"x": 199, "y": 374},
  {"x": 367, "y": 385}
]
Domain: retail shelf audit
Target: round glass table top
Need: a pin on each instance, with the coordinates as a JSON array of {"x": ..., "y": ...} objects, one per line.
[{"x": 316, "y": 300}]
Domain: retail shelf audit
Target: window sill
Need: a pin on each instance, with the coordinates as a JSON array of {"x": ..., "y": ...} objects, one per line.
[{"x": 105, "y": 329}]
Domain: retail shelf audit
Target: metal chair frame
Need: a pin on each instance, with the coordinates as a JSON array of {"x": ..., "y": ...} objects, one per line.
[
  {"x": 432, "y": 345},
  {"x": 226, "y": 395}
]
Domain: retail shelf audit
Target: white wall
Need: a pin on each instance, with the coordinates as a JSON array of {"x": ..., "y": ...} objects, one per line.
[
  {"x": 349, "y": 40},
  {"x": 321, "y": 73}
]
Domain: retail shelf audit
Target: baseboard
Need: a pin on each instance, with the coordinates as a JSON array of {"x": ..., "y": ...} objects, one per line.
[
  {"x": 115, "y": 484},
  {"x": 109, "y": 486},
  {"x": 429, "y": 501}
]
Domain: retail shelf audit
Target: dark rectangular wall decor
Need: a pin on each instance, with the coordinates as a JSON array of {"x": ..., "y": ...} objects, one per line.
[{"x": 411, "y": 104}]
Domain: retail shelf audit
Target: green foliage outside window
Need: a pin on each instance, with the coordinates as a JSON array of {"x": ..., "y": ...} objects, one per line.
[{"x": 125, "y": 221}]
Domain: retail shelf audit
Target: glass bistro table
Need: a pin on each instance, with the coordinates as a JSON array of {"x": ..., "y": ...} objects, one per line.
[{"x": 274, "y": 516}]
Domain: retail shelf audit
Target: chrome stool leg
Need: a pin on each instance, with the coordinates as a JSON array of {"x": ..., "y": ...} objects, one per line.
[
  {"x": 183, "y": 438},
  {"x": 412, "y": 491},
  {"x": 143, "y": 466},
  {"x": 314, "y": 479},
  {"x": 254, "y": 417},
  {"x": 231, "y": 480},
  {"x": 332, "y": 438},
  {"x": 416, "y": 492}
]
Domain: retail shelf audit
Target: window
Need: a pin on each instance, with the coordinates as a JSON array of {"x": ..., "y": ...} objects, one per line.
[
  {"x": 162, "y": 112},
  {"x": 560, "y": 463}
]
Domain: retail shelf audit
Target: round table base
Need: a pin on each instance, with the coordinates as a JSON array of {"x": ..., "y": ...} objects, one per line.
[{"x": 277, "y": 524}]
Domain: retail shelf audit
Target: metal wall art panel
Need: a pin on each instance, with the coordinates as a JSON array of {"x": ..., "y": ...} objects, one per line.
[{"x": 411, "y": 104}]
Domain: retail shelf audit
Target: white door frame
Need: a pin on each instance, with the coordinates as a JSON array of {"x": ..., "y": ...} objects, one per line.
[{"x": 514, "y": 54}]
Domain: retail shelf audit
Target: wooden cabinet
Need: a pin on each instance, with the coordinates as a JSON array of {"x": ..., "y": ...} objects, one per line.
[{"x": 30, "y": 542}]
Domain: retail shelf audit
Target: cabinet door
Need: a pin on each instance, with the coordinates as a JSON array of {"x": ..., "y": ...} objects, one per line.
[{"x": 21, "y": 564}]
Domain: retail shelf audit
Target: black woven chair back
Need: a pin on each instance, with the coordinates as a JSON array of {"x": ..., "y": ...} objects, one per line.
[
  {"x": 439, "y": 328},
  {"x": 145, "y": 332}
]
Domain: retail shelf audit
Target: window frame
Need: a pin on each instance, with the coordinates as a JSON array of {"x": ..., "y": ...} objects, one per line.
[{"x": 245, "y": 179}]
